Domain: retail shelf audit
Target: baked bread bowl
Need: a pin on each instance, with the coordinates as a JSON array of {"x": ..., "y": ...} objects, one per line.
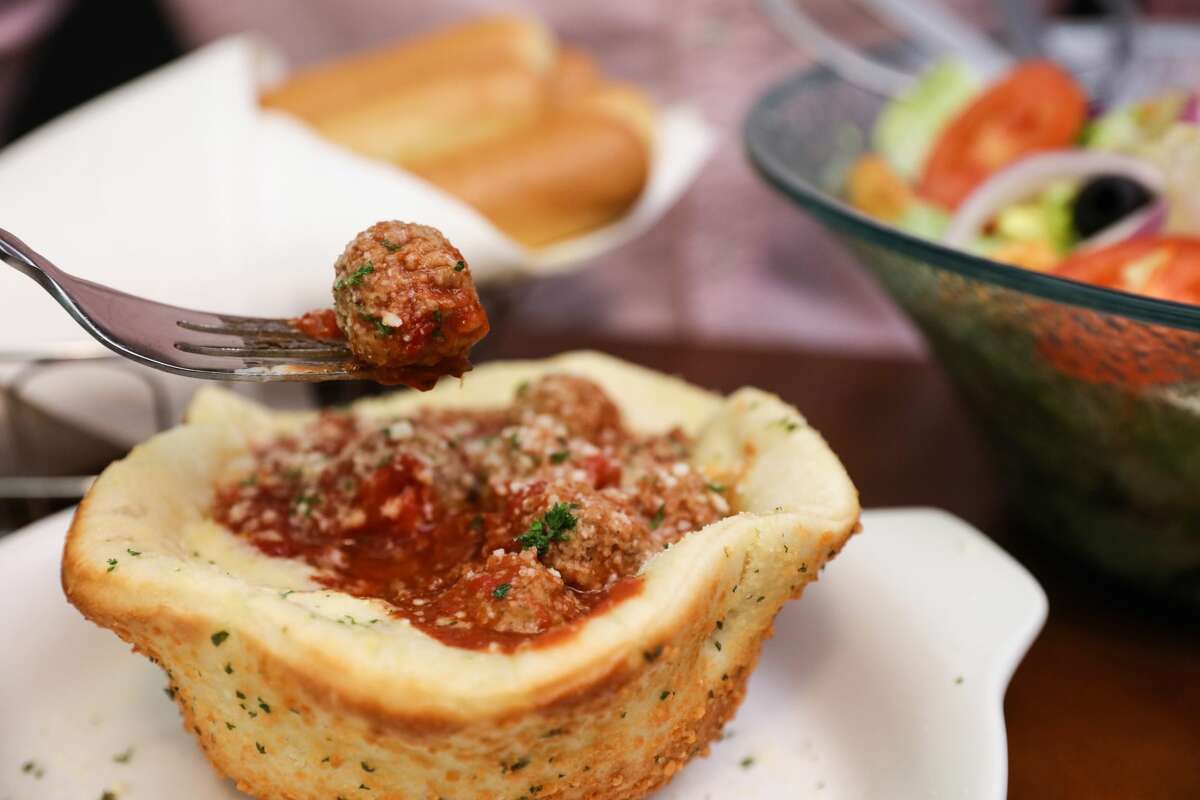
[{"x": 297, "y": 691}]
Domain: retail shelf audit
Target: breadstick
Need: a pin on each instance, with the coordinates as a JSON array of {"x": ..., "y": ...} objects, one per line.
[
  {"x": 328, "y": 88},
  {"x": 445, "y": 114},
  {"x": 579, "y": 167},
  {"x": 575, "y": 71}
]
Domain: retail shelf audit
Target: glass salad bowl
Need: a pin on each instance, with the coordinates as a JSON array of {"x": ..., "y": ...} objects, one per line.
[{"x": 1089, "y": 396}]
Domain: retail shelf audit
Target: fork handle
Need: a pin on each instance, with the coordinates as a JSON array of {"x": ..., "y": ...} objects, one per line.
[{"x": 25, "y": 259}]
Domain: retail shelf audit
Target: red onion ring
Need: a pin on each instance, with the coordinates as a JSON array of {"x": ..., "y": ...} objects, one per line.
[{"x": 1028, "y": 176}]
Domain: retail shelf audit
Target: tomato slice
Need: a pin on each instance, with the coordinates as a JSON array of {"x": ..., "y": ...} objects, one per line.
[
  {"x": 1134, "y": 356},
  {"x": 1166, "y": 267},
  {"x": 1035, "y": 107},
  {"x": 1179, "y": 280}
]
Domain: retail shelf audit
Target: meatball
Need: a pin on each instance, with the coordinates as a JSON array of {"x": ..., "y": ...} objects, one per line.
[
  {"x": 578, "y": 403},
  {"x": 667, "y": 490},
  {"x": 404, "y": 299},
  {"x": 592, "y": 538},
  {"x": 677, "y": 502},
  {"x": 403, "y": 454},
  {"x": 510, "y": 593}
]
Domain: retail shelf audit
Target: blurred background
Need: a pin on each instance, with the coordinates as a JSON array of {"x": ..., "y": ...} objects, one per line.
[
  {"x": 731, "y": 285},
  {"x": 722, "y": 266}
]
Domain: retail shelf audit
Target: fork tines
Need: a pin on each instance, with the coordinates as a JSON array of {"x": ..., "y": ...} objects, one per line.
[{"x": 261, "y": 338}]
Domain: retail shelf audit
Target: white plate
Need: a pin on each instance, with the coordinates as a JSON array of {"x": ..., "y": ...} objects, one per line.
[{"x": 885, "y": 681}]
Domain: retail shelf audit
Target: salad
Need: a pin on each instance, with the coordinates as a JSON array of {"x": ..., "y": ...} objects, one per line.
[{"x": 1023, "y": 172}]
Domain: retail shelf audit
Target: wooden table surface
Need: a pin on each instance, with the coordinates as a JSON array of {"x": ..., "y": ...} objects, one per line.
[{"x": 1107, "y": 703}]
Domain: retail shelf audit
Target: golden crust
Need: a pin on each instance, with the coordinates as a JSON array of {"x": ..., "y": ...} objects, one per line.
[{"x": 294, "y": 692}]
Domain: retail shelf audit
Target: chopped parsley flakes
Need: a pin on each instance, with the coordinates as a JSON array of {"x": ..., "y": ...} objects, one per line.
[
  {"x": 437, "y": 322},
  {"x": 747, "y": 762},
  {"x": 306, "y": 502},
  {"x": 389, "y": 244},
  {"x": 219, "y": 637},
  {"x": 380, "y": 328},
  {"x": 550, "y": 527},
  {"x": 657, "y": 519},
  {"x": 355, "y": 278},
  {"x": 112, "y": 564},
  {"x": 124, "y": 758},
  {"x": 459, "y": 266},
  {"x": 501, "y": 591},
  {"x": 559, "y": 456}
]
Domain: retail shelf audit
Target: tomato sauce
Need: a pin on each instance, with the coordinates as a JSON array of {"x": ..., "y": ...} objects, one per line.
[
  {"x": 487, "y": 530},
  {"x": 319, "y": 324}
]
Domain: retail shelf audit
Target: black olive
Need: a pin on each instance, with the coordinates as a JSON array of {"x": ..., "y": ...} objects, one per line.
[{"x": 1106, "y": 199}]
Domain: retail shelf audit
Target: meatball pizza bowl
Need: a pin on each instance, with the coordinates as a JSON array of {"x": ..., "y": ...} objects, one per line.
[{"x": 578, "y": 620}]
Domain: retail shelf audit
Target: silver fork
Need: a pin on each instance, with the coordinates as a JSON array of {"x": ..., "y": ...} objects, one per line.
[{"x": 192, "y": 343}]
